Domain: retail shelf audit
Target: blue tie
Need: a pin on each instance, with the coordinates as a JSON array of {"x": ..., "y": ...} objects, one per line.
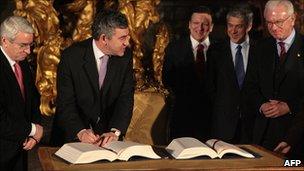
[{"x": 239, "y": 66}]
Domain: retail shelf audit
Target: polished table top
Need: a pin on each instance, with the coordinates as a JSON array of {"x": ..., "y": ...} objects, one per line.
[{"x": 267, "y": 161}]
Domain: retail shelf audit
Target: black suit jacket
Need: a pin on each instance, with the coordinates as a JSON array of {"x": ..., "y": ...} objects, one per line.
[
  {"x": 190, "y": 113},
  {"x": 285, "y": 82},
  {"x": 80, "y": 103},
  {"x": 16, "y": 114},
  {"x": 227, "y": 97}
]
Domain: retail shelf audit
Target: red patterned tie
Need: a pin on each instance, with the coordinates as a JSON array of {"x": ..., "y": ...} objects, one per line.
[
  {"x": 200, "y": 60},
  {"x": 19, "y": 77},
  {"x": 282, "y": 52},
  {"x": 200, "y": 56}
]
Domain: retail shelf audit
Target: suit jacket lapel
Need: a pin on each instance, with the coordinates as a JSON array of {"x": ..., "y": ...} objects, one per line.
[
  {"x": 290, "y": 58},
  {"x": 90, "y": 67},
  {"x": 189, "y": 51},
  {"x": 10, "y": 75},
  {"x": 111, "y": 69},
  {"x": 229, "y": 63}
]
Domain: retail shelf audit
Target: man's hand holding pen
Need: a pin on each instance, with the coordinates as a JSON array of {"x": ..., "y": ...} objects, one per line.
[
  {"x": 274, "y": 108},
  {"x": 88, "y": 136}
]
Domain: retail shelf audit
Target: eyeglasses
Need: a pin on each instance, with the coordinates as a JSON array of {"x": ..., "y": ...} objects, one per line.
[
  {"x": 279, "y": 23},
  {"x": 24, "y": 45}
]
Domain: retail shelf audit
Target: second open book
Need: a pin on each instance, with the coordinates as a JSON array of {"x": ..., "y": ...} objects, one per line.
[{"x": 186, "y": 148}]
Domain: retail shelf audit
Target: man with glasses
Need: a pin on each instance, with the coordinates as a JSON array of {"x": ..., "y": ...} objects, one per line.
[
  {"x": 227, "y": 64},
  {"x": 20, "y": 128},
  {"x": 277, "y": 82}
]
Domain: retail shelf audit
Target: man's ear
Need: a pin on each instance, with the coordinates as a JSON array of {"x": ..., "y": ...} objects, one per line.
[
  {"x": 3, "y": 41},
  {"x": 102, "y": 39},
  {"x": 211, "y": 27},
  {"x": 249, "y": 27}
]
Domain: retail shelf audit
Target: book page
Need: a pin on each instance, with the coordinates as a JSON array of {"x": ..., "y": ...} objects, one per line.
[
  {"x": 78, "y": 153},
  {"x": 223, "y": 148},
  {"x": 128, "y": 149},
  {"x": 187, "y": 147}
]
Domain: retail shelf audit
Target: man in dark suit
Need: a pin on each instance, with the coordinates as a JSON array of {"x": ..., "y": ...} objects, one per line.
[
  {"x": 184, "y": 76},
  {"x": 278, "y": 81},
  {"x": 20, "y": 128},
  {"x": 227, "y": 64},
  {"x": 96, "y": 85}
]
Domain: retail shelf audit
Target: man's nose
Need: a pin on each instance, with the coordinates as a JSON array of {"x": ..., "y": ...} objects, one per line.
[
  {"x": 27, "y": 50},
  {"x": 127, "y": 42},
  {"x": 201, "y": 27},
  {"x": 274, "y": 27}
]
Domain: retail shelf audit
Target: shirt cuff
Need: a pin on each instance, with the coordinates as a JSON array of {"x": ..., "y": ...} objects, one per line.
[
  {"x": 33, "y": 131},
  {"x": 116, "y": 132}
]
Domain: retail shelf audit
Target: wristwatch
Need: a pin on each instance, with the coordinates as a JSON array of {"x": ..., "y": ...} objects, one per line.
[{"x": 116, "y": 132}]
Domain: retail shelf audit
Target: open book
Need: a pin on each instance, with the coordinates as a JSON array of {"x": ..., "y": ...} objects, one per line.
[
  {"x": 78, "y": 152},
  {"x": 186, "y": 148}
]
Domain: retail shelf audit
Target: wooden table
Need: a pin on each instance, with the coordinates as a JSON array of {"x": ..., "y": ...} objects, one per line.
[{"x": 268, "y": 161}]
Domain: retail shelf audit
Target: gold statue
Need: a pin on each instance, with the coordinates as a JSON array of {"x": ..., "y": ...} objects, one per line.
[
  {"x": 299, "y": 6},
  {"x": 162, "y": 40},
  {"x": 85, "y": 10},
  {"x": 141, "y": 14}
]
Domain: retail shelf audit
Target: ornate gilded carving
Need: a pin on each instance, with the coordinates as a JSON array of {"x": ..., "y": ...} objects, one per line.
[
  {"x": 162, "y": 40},
  {"x": 141, "y": 14},
  {"x": 299, "y": 6},
  {"x": 85, "y": 10}
]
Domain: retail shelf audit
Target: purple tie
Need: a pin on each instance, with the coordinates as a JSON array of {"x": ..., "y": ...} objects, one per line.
[{"x": 102, "y": 69}]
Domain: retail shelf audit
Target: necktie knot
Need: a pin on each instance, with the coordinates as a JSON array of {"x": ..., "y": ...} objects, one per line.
[
  {"x": 200, "y": 48},
  {"x": 239, "y": 47},
  {"x": 282, "y": 45}
]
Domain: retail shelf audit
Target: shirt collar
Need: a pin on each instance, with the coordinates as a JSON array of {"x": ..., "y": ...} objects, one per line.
[
  {"x": 289, "y": 39},
  {"x": 97, "y": 52},
  {"x": 11, "y": 62},
  {"x": 195, "y": 43},
  {"x": 244, "y": 44}
]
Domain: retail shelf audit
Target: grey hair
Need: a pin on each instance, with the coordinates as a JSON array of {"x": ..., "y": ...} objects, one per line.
[
  {"x": 270, "y": 5},
  {"x": 241, "y": 11},
  {"x": 12, "y": 25},
  {"x": 105, "y": 22}
]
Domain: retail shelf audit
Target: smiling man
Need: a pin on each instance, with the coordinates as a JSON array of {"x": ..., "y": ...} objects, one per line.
[
  {"x": 227, "y": 64},
  {"x": 278, "y": 81},
  {"x": 184, "y": 76},
  {"x": 95, "y": 85}
]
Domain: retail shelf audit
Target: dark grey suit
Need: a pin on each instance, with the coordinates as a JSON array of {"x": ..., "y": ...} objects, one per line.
[{"x": 80, "y": 102}]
